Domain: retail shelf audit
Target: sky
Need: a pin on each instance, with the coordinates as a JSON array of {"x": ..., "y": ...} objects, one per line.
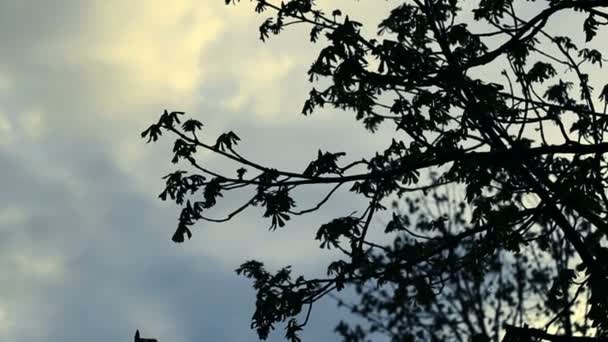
[
  {"x": 85, "y": 247},
  {"x": 85, "y": 243}
]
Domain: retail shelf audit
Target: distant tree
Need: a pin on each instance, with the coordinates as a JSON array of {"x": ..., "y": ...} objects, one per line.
[
  {"x": 526, "y": 247},
  {"x": 475, "y": 300}
]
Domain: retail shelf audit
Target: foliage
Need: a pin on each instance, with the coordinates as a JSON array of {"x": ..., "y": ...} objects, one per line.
[{"x": 527, "y": 149}]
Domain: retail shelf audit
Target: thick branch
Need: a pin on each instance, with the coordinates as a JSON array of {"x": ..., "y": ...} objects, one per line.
[{"x": 535, "y": 24}]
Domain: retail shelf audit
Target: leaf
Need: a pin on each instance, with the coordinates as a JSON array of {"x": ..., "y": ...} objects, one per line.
[
  {"x": 604, "y": 94},
  {"x": 192, "y": 125},
  {"x": 212, "y": 192},
  {"x": 168, "y": 119},
  {"x": 292, "y": 331},
  {"x": 591, "y": 55},
  {"x": 565, "y": 42},
  {"x": 314, "y": 33},
  {"x": 226, "y": 141},
  {"x": 590, "y": 27},
  {"x": 264, "y": 28},
  {"x": 330, "y": 233},
  {"x": 559, "y": 93},
  {"x": 178, "y": 236},
  {"x": 325, "y": 163},
  {"x": 153, "y": 132},
  {"x": 260, "y": 6},
  {"x": 540, "y": 72}
]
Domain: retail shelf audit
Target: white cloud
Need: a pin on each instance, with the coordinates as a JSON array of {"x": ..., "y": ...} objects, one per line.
[
  {"x": 106, "y": 64},
  {"x": 111, "y": 72},
  {"x": 261, "y": 78},
  {"x": 158, "y": 46}
]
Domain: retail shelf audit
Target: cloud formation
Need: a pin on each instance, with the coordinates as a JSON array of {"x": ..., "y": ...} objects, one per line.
[{"x": 85, "y": 245}]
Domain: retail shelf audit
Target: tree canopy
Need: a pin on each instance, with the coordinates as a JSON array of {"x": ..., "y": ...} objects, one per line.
[{"x": 495, "y": 176}]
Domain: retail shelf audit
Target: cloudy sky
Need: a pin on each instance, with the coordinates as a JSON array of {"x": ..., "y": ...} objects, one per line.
[
  {"x": 85, "y": 249},
  {"x": 85, "y": 243}
]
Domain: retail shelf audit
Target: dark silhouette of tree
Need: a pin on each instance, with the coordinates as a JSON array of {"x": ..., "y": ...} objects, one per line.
[
  {"x": 526, "y": 247},
  {"x": 470, "y": 305}
]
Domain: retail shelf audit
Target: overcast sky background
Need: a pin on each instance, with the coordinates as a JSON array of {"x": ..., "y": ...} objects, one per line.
[
  {"x": 85, "y": 247},
  {"x": 85, "y": 243}
]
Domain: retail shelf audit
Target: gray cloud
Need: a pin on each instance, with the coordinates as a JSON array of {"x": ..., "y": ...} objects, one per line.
[{"x": 85, "y": 244}]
